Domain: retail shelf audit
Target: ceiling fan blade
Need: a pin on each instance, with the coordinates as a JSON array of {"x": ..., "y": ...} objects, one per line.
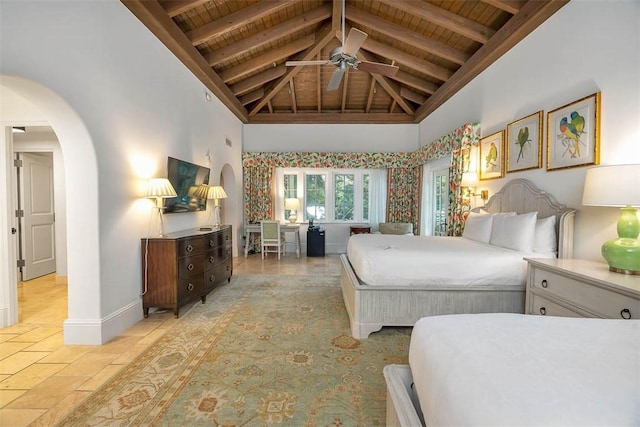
[
  {"x": 354, "y": 41},
  {"x": 336, "y": 78},
  {"x": 294, "y": 63},
  {"x": 377, "y": 68}
]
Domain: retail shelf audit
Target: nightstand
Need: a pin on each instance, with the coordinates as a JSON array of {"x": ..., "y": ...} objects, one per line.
[{"x": 580, "y": 288}]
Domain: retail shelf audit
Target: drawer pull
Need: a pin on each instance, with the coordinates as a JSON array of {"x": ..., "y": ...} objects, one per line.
[
  {"x": 211, "y": 243},
  {"x": 544, "y": 283},
  {"x": 190, "y": 267},
  {"x": 212, "y": 278},
  {"x": 228, "y": 267},
  {"x": 625, "y": 313},
  {"x": 212, "y": 259},
  {"x": 189, "y": 248},
  {"x": 190, "y": 286},
  {"x": 543, "y": 311}
]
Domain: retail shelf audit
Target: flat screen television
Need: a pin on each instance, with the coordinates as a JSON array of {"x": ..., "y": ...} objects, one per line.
[{"x": 187, "y": 179}]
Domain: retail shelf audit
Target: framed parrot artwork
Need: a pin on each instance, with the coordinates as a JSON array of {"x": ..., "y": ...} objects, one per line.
[
  {"x": 492, "y": 156},
  {"x": 524, "y": 143},
  {"x": 573, "y": 134}
]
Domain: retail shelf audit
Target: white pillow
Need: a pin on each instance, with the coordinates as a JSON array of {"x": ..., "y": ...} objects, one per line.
[
  {"x": 545, "y": 236},
  {"x": 515, "y": 232},
  {"x": 478, "y": 227}
]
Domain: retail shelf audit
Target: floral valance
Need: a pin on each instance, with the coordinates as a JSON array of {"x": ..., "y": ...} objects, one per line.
[{"x": 327, "y": 160}]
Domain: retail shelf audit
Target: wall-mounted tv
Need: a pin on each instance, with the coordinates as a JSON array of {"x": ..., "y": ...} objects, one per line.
[{"x": 187, "y": 179}]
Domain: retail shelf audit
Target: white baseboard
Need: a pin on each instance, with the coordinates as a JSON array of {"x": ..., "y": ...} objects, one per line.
[
  {"x": 101, "y": 331},
  {"x": 61, "y": 280},
  {"x": 4, "y": 317}
]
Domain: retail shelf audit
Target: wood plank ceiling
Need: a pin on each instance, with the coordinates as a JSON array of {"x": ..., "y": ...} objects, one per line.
[{"x": 238, "y": 50}]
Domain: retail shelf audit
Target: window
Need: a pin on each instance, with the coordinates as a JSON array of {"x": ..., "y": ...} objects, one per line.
[
  {"x": 441, "y": 201},
  {"x": 335, "y": 195}
]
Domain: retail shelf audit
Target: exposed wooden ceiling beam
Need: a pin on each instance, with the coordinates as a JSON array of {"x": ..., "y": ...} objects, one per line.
[
  {"x": 155, "y": 18},
  {"x": 268, "y": 58},
  {"x": 258, "y": 80},
  {"x": 176, "y": 7},
  {"x": 529, "y": 18},
  {"x": 444, "y": 18},
  {"x": 323, "y": 37},
  {"x": 336, "y": 18},
  {"x": 304, "y": 117},
  {"x": 236, "y": 20},
  {"x": 384, "y": 83},
  {"x": 345, "y": 87},
  {"x": 413, "y": 96},
  {"x": 252, "y": 96},
  {"x": 410, "y": 61},
  {"x": 276, "y": 32},
  {"x": 405, "y": 35},
  {"x": 319, "y": 85},
  {"x": 511, "y": 6},
  {"x": 292, "y": 92},
  {"x": 372, "y": 91},
  {"x": 415, "y": 82}
]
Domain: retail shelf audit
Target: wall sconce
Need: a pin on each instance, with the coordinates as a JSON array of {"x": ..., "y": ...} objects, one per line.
[
  {"x": 617, "y": 186},
  {"x": 216, "y": 193},
  {"x": 292, "y": 205},
  {"x": 484, "y": 195},
  {"x": 160, "y": 188}
]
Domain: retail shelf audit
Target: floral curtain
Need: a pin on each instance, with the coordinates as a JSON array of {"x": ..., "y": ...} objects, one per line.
[
  {"x": 459, "y": 204},
  {"x": 403, "y": 195},
  {"x": 258, "y": 197}
]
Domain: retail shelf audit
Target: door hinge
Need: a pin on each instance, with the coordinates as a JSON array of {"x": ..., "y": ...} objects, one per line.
[
  {"x": 21, "y": 263},
  {"x": 17, "y": 163},
  {"x": 19, "y": 213}
]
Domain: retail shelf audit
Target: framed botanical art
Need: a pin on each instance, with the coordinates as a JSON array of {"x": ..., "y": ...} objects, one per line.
[
  {"x": 492, "y": 156},
  {"x": 573, "y": 134},
  {"x": 524, "y": 143}
]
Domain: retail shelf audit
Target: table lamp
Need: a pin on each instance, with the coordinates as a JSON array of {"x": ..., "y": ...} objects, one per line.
[
  {"x": 160, "y": 188},
  {"x": 216, "y": 193},
  {"x": 292, "y": 205},
  {"x": 618, "y": 186}
]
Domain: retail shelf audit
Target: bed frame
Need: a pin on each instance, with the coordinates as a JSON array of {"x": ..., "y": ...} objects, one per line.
[{"x": 372, "y": 307}]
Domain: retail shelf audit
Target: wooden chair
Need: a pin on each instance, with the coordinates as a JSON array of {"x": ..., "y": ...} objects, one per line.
[{"x": 271, "y": 238}]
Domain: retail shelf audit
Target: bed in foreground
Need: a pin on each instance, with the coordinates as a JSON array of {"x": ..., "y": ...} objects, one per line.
[
  {"x": 390, "y": 298},
  {"x": 511, "y": 369}
]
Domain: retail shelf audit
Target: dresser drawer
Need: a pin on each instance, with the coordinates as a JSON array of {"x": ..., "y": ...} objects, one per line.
[
  {"x": 190, "y": 288},
  {"x": 597, "y": 300},
  {"x": 191, "y": 266},
  {"x": 187, "y": 247},
  {"x": 544, "y": 307}
]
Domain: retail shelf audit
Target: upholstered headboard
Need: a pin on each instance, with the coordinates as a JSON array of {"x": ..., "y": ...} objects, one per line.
[{"x": 521, "y": 196}]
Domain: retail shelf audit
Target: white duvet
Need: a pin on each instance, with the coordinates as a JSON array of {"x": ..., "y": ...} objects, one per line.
[
  {"x": 390, "y": 260},
  {"x": 524, "y": 370}
]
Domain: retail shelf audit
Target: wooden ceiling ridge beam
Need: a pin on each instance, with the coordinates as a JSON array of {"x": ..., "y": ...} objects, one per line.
[
  {"x": 532, "y": 14},
  {"x": 258, "y": 80},
  {"x": 415, "y": 82},
  {"x": 177, "y": 7},
  {"x": 406, "y": 35},
  {"x": 268, "y": 58},
  {"x": 235, "y": 20},
  {"x": 410, "y": 61},
  {"x": 318, "y": 118},
  {"x": 444, "y": 18},
  {"x": 384, "y": 83},
  {"x": 511, "y": 6},
  {"x": 155, "y": 18},
  {"x": 323, "y": 37},
  {"x": 276, "y": 32}
]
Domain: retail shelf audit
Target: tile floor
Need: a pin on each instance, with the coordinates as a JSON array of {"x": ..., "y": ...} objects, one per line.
[{"x": 41, "y": 379}]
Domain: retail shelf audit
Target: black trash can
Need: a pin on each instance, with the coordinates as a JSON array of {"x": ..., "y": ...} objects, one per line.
[{"x": 315, "y": 241}]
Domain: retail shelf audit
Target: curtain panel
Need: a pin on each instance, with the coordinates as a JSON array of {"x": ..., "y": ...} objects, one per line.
[
  {"x": 403, "y": 195},
  {"x": 258, "y": 193}
]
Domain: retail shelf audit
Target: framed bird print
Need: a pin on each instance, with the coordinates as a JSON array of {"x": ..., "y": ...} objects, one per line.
[
  {"x": 492, "y": 156},
  {"x": 573, "y": 134},
  {"x": 524, "y": 143}
]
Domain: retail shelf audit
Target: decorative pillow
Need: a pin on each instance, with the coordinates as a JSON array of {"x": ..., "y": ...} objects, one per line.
[
  {"x": 478, "y": 227},
  {"x": 396, "y": 228},
  {"x": 515, "y": 232},
  {"x": 545, "y": 236}
]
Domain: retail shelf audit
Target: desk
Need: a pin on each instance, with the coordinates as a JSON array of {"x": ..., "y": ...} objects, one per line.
[{"x": 284, "y": 227}]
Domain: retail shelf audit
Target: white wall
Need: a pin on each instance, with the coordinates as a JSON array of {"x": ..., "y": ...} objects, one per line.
[
  {"x": 138, "y": 105},
  {"x": 331, "y": 138},
  {"x": 587, "y": 46}
]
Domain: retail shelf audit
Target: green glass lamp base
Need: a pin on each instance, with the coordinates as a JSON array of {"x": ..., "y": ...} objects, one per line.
[{"x": 622, "y": 255}]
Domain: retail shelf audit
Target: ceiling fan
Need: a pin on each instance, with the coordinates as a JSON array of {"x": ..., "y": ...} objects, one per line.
[{"x": 345, "y": 57}]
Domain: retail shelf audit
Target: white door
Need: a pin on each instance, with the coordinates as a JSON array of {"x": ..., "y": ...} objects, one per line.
[
  {"x": 37, "y": 236},
  {"x": 440, "y": 201}
]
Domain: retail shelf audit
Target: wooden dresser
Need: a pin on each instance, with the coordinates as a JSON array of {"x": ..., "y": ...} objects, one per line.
[
  {"x": 180, "y": 267},
  {"x": 580, "y": 288}
]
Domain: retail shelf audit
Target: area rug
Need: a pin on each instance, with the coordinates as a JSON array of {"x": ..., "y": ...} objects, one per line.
[{"x": 263, "y": 350}]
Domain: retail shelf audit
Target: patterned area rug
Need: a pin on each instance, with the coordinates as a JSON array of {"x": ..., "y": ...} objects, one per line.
[{"x": 263, "y": 350}]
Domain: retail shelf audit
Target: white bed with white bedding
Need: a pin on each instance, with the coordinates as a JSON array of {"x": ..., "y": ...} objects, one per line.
[
  {"x": 518, "y": 370},
  {"x": 390, "y": 280}
]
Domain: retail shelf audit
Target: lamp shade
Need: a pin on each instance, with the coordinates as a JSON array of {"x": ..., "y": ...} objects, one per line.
[
  {"x": 216, "y": 192},
  {"x": 201, "y": 191},
  {"x": 469, "y": 179},
  {"x": 160, "y": 187},
  {"x": 615, "y": 186},
  {"x": 292, "y": 204}
]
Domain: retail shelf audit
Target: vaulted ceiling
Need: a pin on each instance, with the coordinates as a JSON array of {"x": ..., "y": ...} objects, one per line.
[{"x": 239, "y": 49}]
